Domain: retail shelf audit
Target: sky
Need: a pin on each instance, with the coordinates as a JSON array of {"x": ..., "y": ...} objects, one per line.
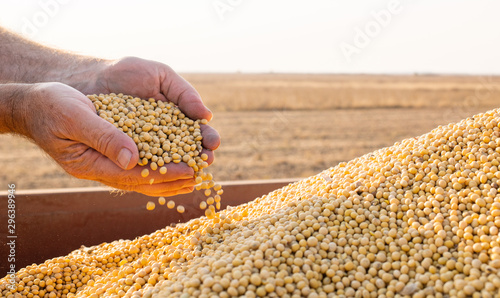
[{"x": 315, "y": 36}]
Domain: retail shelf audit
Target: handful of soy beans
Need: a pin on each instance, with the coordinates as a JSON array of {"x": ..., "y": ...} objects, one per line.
[{"x": 163, "y": 134}]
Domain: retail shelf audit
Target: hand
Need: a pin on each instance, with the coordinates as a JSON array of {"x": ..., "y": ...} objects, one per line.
[
  {"x": 150, "y": 79},
  {"x": 64, "y": 123}
]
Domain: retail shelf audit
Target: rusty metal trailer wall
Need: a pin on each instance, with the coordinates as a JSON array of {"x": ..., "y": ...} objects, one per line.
[{"x": 52, "y": 223}]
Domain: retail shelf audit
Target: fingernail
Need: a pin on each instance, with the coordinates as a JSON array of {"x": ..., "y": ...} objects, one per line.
[{"x": 124, "y": 158}]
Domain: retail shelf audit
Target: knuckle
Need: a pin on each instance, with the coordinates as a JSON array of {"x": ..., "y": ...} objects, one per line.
[
  {"x": 103, "y": 142},
  {"x": 130, "y": 181},
  {"x": 130, "y": 59},
  {"x": 76, "y": 161}
]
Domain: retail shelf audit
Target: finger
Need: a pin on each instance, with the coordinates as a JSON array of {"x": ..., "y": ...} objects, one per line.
[
  {"x": 210, "y": 154},
  {"x": 157, "y": 189},
  {"x": 146, "y": 185},
  {"x": 180, "y": 92},
  {"x": 95, "y": 166},
  {"x": 175, "y": 171},
  {"x": 105, "y": 138},
  {"x": 164, "y": 191},
  {"x": 211, "y": 138},
  {"x": 174, "y": 184}
]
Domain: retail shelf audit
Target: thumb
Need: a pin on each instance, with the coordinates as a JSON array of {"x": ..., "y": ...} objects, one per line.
[{"x": 105, "y": 138}]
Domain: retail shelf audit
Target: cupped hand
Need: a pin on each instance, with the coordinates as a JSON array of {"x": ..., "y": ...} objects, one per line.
[
  {"x": 151, "y": 79},
  {"x": 64, "y": 123}
]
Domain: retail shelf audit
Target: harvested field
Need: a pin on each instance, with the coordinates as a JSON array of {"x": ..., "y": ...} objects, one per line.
[{"x": 280, "y": 126}]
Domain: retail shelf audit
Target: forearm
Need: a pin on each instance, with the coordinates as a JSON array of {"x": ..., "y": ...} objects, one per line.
[
  {"x": 24, "y": 61},
  {"x": 12, "y": 102}
]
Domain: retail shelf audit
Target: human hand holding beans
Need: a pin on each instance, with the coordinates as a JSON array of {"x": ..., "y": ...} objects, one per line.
[
  {"x": 150, "y": 79},
  {"x": 64, "y": 123}
]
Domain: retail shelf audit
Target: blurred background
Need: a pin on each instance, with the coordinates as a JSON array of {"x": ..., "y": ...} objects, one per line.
[{"x": 296, "y": 87}]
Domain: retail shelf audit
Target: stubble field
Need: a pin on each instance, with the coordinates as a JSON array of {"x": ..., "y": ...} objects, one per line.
[{"x": 292, "y": 126}]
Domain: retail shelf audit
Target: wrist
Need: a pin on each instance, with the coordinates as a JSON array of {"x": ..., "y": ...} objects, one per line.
[
  {"x": 83, "y": 75},
  {"x": 14, "y": 100}
]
